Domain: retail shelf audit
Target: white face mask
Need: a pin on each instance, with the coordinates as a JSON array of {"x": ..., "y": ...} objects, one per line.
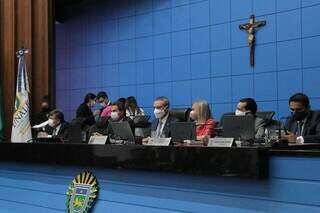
[
  {"x": 193, "y": 115},
  {"x": 114, "y": 116},
  {"x": 159, "y": 113},
  {"x": 51, "y": 123},
  {"x": 240, "y": 113}
]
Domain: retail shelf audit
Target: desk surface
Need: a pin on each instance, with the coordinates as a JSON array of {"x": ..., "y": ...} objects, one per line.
[{"x": 248, "y": 162}]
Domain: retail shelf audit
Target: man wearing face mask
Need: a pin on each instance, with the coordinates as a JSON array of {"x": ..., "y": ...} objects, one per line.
[
  {"x": 42, "y": 116},
  {"x": 160, "y": 127},
  {"x": 303, "y": 124},
  {"x": 118, "y": 114},
  {"x": 248, "y": 106},
  {"x": 57, "y": 127},
  {"x": 84, "y": 110},
  {"x": 105, "y": 111}
]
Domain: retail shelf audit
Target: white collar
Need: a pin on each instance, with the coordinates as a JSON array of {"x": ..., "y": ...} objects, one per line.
[{"x": 164, "y": 119}]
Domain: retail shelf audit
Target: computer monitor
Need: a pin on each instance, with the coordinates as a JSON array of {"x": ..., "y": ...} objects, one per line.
[
  {"x": 181, "y": 131},
  {"x": 239, "y": 127},
  {"x": 121, "y": 130}
]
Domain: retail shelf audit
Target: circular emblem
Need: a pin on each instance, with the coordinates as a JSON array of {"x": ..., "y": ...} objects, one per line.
[{"x": 82, "y": 193}]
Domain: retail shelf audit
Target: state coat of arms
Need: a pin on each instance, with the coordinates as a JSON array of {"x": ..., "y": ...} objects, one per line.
[{"x": 82, "y": 193}]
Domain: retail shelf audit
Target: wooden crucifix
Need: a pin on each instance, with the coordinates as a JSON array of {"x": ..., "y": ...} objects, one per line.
[{"x": 251, "y": 27}]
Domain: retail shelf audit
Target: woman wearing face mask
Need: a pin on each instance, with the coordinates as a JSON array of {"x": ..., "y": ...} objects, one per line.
[
  {"x": 201, "y": 115},
  {"x": 132, "y": 108},
  {"x": 84, "y": 110}
]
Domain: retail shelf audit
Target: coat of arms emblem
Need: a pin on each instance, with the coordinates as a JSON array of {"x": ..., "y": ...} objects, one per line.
[{"x": 82, "y": 193}]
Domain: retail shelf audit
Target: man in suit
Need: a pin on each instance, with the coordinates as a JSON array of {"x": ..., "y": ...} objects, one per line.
[
  {"x": 118, "y": 114},
  {"x": 248, "y": 106},
  {"x": 57, "y": 127},
  {"x": 160, "y": 126},
  {"x": 303, "y": 124},
  {"x": 84, "y": 110}
]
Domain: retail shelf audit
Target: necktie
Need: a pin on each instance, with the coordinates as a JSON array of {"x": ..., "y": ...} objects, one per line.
[
  {"x": 158, "y": 134},
  {"x": 299, "y": 128}
]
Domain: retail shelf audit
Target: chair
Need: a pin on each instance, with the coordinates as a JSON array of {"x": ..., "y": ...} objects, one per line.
[{"x": 182, "y": 114}]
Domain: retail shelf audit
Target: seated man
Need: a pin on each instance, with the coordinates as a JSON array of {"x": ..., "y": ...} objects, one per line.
[
  {"x": 160, "y": 127},
  {"x": 248, "y": 106},
  {"x": 118, "y": 114},
  {"x": 303, "y": 124},
  {"x": 57, "y": 127}
]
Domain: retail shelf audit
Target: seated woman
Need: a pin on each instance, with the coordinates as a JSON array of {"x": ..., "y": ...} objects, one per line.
[
  {"x": 201, "y": 115},
  {"x": 133, "y": 110}
]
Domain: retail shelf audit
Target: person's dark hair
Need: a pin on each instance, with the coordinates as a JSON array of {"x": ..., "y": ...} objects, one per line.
[
  {"x": 46, "y": 98},
  {"x": 164, "y": 99},
  {"x": 120, "y": 105},
  {"x": 251, "y": 105},
  {"x": 88, "y": 97},
  {"x": 102, "y": 94},
  {"x": 122, "y": 100},
  {"x": 132, "y": 100},
  {"x": 300, "y": 98},
  {"x": 57, "y": 114}
]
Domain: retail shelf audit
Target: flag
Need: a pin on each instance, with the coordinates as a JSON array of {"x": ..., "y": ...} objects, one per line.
[
  {"x": 21, "y": 128},
  {"x": 1, "y": 116}
]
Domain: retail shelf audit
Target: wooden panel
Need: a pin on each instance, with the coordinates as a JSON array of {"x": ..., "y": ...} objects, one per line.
[
  {"x": 7, "y": 58},
  {"x": 26, "y": 23}
]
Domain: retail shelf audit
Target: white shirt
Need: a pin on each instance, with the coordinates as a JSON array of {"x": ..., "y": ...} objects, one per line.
[{"x": 56, "y": 130}]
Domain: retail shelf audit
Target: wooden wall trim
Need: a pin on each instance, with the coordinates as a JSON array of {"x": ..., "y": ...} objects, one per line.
[{"x": 25, "y": 23}]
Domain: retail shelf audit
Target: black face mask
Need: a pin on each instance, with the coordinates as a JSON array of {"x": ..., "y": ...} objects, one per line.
[{"x": 299, "y": 116}]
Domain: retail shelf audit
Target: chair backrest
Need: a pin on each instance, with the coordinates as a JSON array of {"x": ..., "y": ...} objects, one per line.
[
  {"x": 182, "y": 114},
  {"x": 266, "y": 115},
  {"x": 76, "y": 129}
]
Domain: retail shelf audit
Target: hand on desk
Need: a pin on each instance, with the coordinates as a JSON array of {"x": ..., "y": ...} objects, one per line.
[
  {"x": 42, "y": 135},
  {"x": 290, "y": 137}
]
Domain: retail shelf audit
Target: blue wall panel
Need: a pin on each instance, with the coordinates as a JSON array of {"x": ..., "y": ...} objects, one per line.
[
  {"x": 174, "y": 47},
  {"x": 293, "y": 186}
]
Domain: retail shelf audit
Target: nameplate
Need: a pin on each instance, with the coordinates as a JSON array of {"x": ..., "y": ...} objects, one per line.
[
  {"x": 220, "y": 142},
  {"x": 101, "y": 140},
  {"x": 159, "y": 141}
]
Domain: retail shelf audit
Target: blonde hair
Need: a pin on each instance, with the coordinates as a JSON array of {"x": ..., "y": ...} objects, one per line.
[{"x": 202, "y": 108}]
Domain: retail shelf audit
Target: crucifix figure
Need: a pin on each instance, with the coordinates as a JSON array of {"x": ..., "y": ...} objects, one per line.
[{"x": 251, "y": 28}]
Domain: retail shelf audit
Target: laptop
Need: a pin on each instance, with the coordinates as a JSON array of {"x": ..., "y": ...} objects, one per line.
[
  {"x": 121, "y": 131},
  {"x": 181, "y": 131},
  {"x": 239, "y": 127}
]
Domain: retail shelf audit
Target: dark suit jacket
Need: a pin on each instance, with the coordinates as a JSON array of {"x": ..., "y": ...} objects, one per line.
[
  {"x": 166, "y": 128},
  {"x": 63, "y": 131},
  {"x": 85, "y": 112},
  {"x": 311, "y": 131}
]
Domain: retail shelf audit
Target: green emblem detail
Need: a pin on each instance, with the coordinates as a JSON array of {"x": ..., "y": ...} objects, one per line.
[{"x": 82, "y": 193}]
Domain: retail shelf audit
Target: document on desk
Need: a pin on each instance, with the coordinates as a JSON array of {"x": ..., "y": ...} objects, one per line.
[
  {"x": 159, "y": 142},
  {"x": 101, "y": 140}
]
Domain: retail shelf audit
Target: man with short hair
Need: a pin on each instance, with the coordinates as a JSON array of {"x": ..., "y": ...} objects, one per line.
[
  {"x": 248, "y": 106},
  {"x": 303, "y": 124},
  {"x": 57, "y": 127},
  {"x": 105, "y": 103},
  {"x": 160, "y": 127}
]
